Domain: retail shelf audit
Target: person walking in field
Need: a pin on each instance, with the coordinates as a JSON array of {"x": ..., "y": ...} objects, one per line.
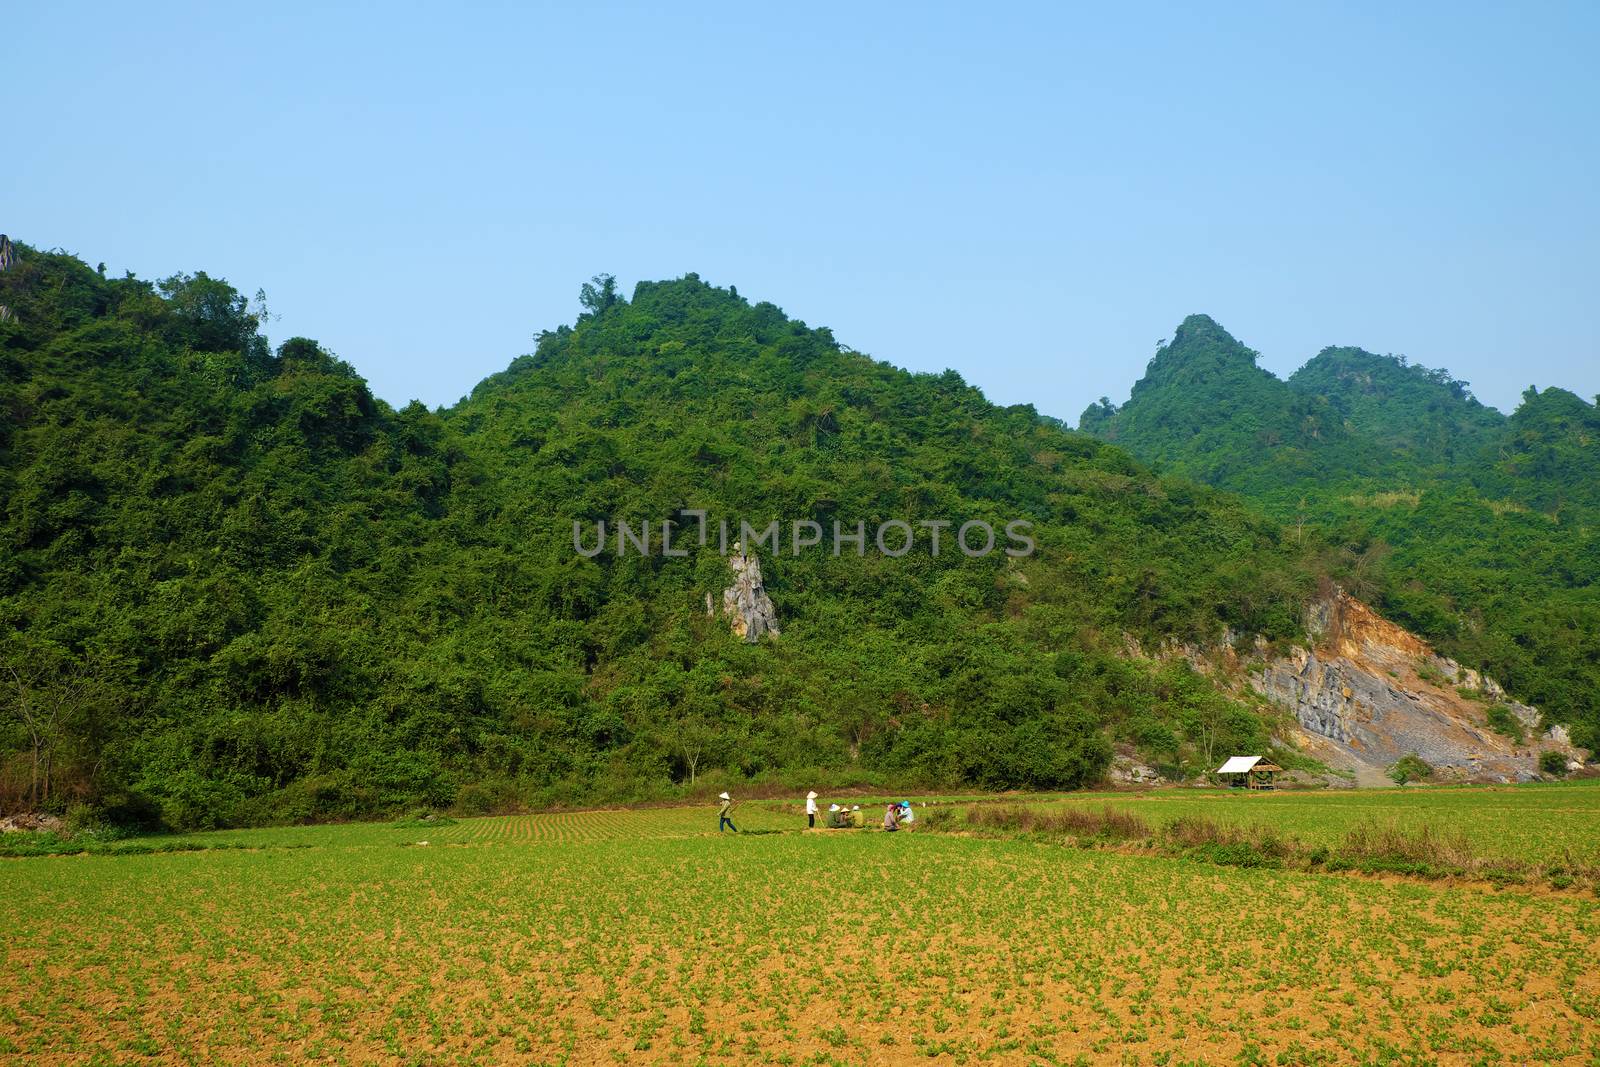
[
  {"x": 811, "y": 810},
  {"x": 722, "y": 816}
]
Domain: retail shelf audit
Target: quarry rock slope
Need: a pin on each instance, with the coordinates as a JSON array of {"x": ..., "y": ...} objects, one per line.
[{"x": 1368, "y": 692}]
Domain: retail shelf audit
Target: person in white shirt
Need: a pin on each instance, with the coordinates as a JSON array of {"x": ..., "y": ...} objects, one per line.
[{"x": 811, "y": 811}]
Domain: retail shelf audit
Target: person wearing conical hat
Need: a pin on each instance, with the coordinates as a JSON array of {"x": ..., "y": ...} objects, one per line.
[
  {"x": 811, "y": 810},
  {"x": 722, "y": 816}
]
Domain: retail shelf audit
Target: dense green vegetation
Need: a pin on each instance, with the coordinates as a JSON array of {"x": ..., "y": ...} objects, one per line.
[
  {"x": 236, "y": 588},
  {"x": 1478, "y": 530}
]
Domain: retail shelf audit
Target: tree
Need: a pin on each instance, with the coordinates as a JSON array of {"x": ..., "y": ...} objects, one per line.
[
  {"x": 694, "y": 740},
  {"x": 1363, "y": 567},
  {"x": 599, "y": 294},
  {"x": 209, "y": 315},
  {"x": 1411, "y": 768},
  {"x": 46, "y": 696}
]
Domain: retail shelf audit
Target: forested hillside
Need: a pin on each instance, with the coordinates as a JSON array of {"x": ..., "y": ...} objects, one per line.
[
  {"x": 1477, "y": 530},
  {"x": 235, "y": 587}
]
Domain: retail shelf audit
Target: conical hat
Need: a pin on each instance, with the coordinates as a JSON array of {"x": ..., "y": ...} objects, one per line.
[
  {"x": 811, "y": 796},
  {"x": 723, "y": 796}
]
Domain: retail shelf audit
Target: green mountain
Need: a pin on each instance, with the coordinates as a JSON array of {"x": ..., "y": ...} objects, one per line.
[
  {"x": 1412, "y": 417},
  {"x": 235, "y": 587},
  {"x": 1208, "y": 412},
  {"x": 1476, "y": 530}
]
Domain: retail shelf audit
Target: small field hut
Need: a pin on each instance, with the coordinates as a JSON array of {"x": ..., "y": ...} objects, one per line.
[{"x": 1250, "y": 772}]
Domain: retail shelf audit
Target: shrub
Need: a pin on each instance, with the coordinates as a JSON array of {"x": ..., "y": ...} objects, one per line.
[
  {"x": 1411, "y": 768},
  {"x": 1226, "y": 844},
  {"x": 1553, "y": 763},
  {"x": 113, "y": 815},
  {"x": 1106, "y": 822},
  {"x": 1389, "y": 845},
  {"x": 1152, "y": 736},
  {"x": 1502, "y": 720},
  {"x": 937, "y": 819},
  {"x": 486, "y": 797},
  {"x": 1431, "y": 676}
]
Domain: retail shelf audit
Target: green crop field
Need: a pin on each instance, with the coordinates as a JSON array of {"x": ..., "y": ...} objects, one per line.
[{"x": 612, "y": 937}]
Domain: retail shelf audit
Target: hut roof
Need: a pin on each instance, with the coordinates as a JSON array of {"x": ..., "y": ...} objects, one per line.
[{"x": 1243, "y": 765}]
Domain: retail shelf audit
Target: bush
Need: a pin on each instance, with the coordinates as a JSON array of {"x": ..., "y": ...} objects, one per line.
[
  {"x": 1226, "y": 844},
  {"x": 487, "y": 797},
  {"x": 116, "y": 814},
  {"x": 1553, "y": 763},
  {"x": 937, "y": 819},
  {"x": 192, "y": 801},
  {"x": 1059, "y": 749},
  {"x": 1152, "y": 736},
  {"x": 1411, "y": 768},
  {"x": 1386, "y": 845},
  {"x": 1502, "y": 720}
]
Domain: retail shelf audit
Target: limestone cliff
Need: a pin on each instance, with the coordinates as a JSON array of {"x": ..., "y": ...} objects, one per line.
[
  {"x": 750, "y": 611},
  {"x": 8, "y": 256},
  {"x": 1368, "y": 692}
]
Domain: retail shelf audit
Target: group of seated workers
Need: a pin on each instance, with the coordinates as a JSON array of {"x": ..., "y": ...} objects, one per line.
[{"x": 840, "y": 818}]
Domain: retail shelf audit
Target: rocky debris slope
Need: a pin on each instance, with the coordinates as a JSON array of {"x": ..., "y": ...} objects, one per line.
[
  {"x": 1127, "y": 769},
  {"x": 1369, "y": 692},
  {"x": 750, "y": 611}
]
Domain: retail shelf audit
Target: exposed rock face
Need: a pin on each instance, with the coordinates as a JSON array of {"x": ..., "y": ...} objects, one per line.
[
  {"x": 1378, "y": 692},
  {"x": 750, "y": 611},
  {"x": 8, "y": 256},
  {"x": 1128, "y": 770}
]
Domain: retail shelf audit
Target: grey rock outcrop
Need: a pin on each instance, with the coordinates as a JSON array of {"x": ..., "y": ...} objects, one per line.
[
  {"x": 1129, "y": 770},
  {"x": 750, "y": 611},
  {"x": 8, "y": 256}
]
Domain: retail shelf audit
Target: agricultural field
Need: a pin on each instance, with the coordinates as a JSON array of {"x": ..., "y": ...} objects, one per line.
[{"x": 612, "y": 937}]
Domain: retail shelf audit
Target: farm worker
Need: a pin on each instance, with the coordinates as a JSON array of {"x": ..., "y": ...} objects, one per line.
[
  {"x": 835, "y": 820},
  {"x": 857, "y": 819},
  {"x": 907, "y": 816},
  {"x": 722, "y": 816},
  {"x": 891, "y": 817},
  {"x": 811, "y": 811}
]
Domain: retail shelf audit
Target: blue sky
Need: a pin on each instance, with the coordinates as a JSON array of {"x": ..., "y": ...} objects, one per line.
[{"x": 1031, "y": 194}]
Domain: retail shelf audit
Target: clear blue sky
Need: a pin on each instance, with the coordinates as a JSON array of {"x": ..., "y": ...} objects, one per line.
[{"x": 1033, "y": 194}]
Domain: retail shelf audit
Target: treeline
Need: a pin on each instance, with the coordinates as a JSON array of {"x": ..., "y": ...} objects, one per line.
[{"x": 237, "y": 588}]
